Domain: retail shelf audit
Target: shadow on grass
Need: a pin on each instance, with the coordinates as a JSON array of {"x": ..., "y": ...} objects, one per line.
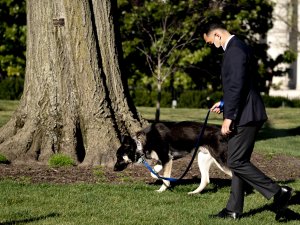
[
  {"x": 216, "y": 183},
  {"x": 268, "y": 132},
  {"x": 288, "y": 215},
  {"x": 22, "y": 221}
]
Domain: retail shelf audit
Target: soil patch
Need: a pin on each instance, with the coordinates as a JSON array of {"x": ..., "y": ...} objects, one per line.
[{"x": 280, "y": 168}]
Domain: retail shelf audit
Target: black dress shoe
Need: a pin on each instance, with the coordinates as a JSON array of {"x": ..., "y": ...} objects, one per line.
[
  {"x": 281, "y": 200},
  {"x": 225, "y": 213}
]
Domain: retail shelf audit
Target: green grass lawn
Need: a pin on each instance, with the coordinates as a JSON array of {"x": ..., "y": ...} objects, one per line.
[{"x": 137, "y": 203}]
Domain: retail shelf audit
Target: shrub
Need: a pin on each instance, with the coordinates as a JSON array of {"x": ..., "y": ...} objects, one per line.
[
  {"x": 296, "y": 103},
  {"x": 3, "y": 159},
  {"x": 200, "y": 99},
  {"x": 11, "y": 88},
  {"x": 59, "y": 160},
  {"x": 275, "y": 102},
  {"x": 192, "y": 99},
  {"x": 142, "y": 97},
  {"x": 215, "y": 96},
  {"x": 166, "y": 99}
]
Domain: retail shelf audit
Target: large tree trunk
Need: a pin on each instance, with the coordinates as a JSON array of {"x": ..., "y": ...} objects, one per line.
[{"x": 75, "y": 99}]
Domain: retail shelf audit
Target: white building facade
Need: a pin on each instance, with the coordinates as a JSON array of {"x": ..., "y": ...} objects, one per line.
[{"x": 285, "y": 35}]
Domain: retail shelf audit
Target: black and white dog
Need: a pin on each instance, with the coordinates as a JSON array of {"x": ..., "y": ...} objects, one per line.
[{"x": 168, "y": 142}]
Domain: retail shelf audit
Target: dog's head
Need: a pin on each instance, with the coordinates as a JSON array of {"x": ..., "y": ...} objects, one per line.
[
  {"x": 131, "y": 150},
  {"x": 126, "y": 153}
]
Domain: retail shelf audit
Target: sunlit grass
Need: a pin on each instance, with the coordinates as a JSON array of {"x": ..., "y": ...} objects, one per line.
[{"x": 104, "y": 203}]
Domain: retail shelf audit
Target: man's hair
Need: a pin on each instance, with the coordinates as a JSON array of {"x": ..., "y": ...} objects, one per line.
[{"x": 208, "y": 27}]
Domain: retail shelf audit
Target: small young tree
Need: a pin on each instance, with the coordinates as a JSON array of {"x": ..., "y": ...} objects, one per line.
[
  {"x": 166, "y": 29},
  {"x": 164, "y": 54}
]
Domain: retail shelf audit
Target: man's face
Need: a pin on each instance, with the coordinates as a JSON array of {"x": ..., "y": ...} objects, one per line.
[{"x": 212, "y": 39}]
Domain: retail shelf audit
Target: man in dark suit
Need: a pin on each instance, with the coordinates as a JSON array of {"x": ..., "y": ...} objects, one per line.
[{"x": 244, "y": 114}]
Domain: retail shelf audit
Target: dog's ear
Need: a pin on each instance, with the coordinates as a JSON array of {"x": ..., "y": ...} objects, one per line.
[
  {"x": 125, "y": 139},
  {"x": 162, "y": 129},
  {"x": 147, "y": 129},
  {"x": 144, "y": 131}
]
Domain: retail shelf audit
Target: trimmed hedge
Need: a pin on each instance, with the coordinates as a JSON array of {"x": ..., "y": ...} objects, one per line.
[
  {"x": 11, "y": 88},
  {"x": 200, "y": 99},
  {"x": 187, "y": 99},
  {"x": 148, "y": 98},
  {"x": 275, "y": 102}
]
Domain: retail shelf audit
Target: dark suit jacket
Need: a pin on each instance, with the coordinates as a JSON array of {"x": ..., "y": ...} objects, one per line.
[{"x": 242, "y": 101}]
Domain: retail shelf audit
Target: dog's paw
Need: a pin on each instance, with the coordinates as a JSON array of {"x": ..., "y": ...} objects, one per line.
[
  {"x": 193, "y": 192},
  {"x": 162, "y": 189}
]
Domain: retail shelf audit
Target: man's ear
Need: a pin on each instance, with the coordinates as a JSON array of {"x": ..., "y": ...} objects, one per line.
[{"x": 217, "y": 35}]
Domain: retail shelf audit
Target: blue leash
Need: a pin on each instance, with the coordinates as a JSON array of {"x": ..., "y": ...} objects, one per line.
[
  {"x": 142, "y": 159},
  {"x": 154, "y": 172}
]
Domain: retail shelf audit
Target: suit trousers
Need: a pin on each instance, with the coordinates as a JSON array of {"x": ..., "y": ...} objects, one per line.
[{"x": 240, "y": 148}]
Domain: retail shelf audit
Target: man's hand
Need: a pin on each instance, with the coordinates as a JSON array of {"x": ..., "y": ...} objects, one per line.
[
  {"x": 225, "y": 130},
  {"x": 216, "y": 108}
]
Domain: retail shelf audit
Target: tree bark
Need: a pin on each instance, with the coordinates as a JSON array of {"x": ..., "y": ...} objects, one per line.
[{"x": 75, "y": 98}]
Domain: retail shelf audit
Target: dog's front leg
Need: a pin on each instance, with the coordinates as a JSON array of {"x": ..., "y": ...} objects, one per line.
[
  {"x": 167, "y": 168},
  {"x": 157, "y": 168}
]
